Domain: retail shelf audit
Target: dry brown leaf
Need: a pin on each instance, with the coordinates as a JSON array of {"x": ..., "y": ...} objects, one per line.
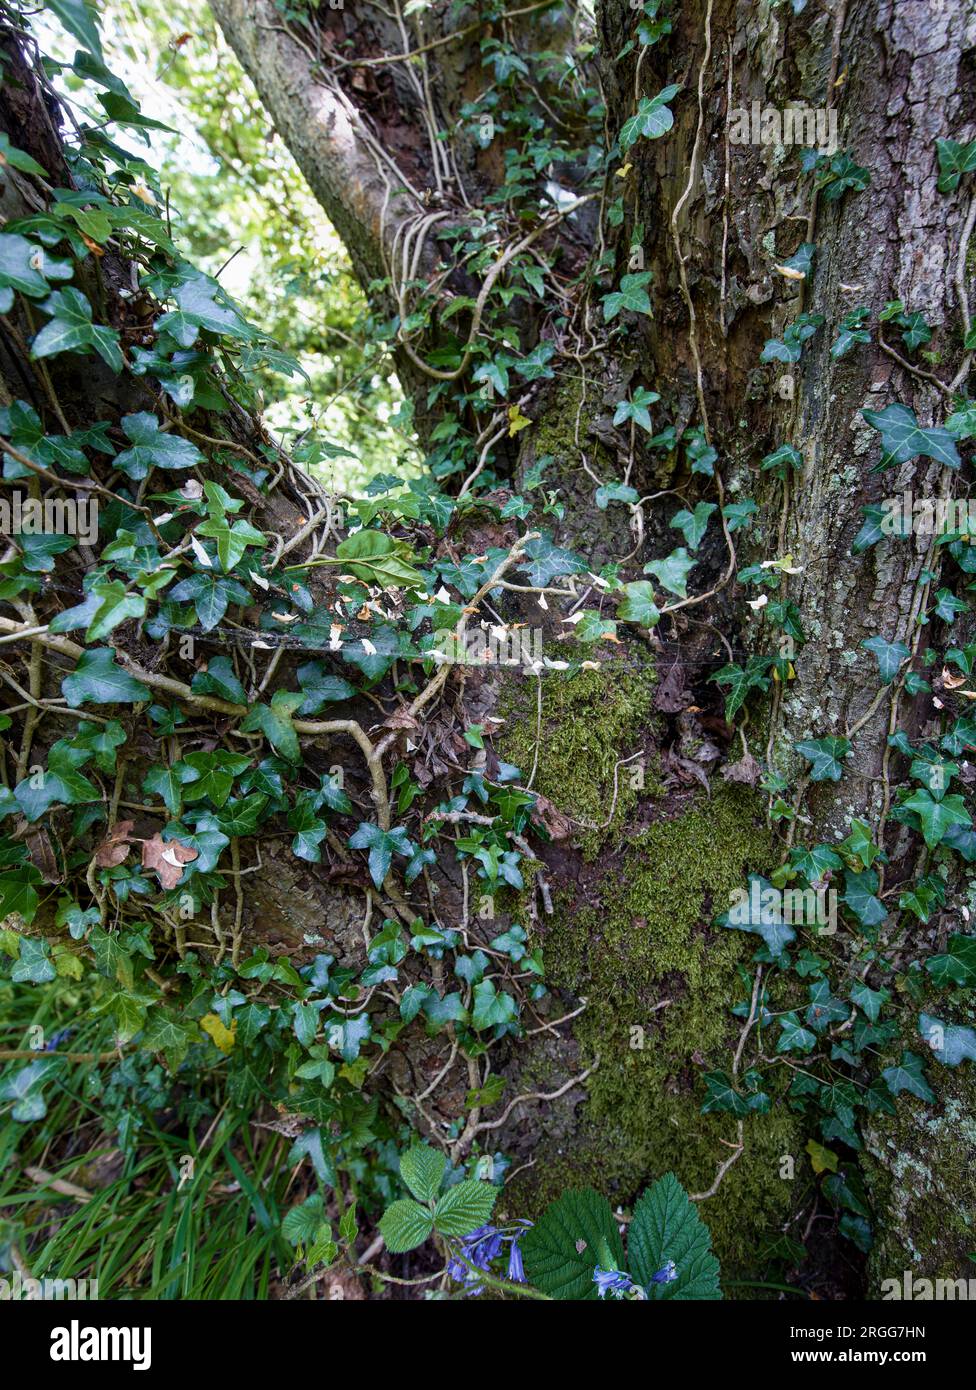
[
  {"x": 745, "y": 770},
  {"x": 114, "y": 849},
  {"x": 167, "y": 857}
]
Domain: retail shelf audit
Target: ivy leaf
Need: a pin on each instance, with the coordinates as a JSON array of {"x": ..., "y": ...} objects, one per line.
[
  {"x": 666, "y": 1227},
  {"x": 636, "y": 409},
  {"x": 824, "y": 756},
  {"x": 957, "y": 965},
  {"x": 651, "y": 120},
  {"x": 937, "y": 816},
  {"x": 813, "y": 863},
  {"x": 309, "y": 1145},
  {"x": 33, "y": 965},
  {"x": 546, "y": 562},
  {"x": 61, "y": 783},
  {"x": 742, "y": 679},
  {"x": 824, "y": 1007},
  {"x": 39, "y": 550},
  {"x": 309, "y": 830},
  {"x": 491, "y": 1007},
  {"x": 794, "y": 1037},
  {"x": 211, "y": 595},
  {"x": 782, "y": 460},
  {"x": 168, "y": 1034},
  {"x": 877, "y": 526},
  {"x": 201, "y": 303},
  {"x": 902, "y": 438},
  {"x": 561, "y": 1251},
  {"x": 632, "y": 295},
  {"x": 790, "y": 347},
  {"x": 908, "y": 1075},
  {"x": 615, "y": 492},
  {"x": 758, "y": 909},
  {"x": 860, "y": 896},
  {"x": 219, "y": 679},
  {"x": 167, "y": 783},
  {"x": 850, "y": 331},
  {"x": 954, "y": 161},
  {"x": 27, "y": 267},
  {"x": 102, "y": 740},
  {"x": 349, "y": 1036},
  {"x": 97, "y": 680},
  {"x": 638, "y": 604},
  {"x": 113, "y": 605},
  {"x": 722, "y": 1097},
  {"x": 738, "y": 514},
  {"x": 275, "y": 722},
  {"x": 693, "y": 524},
  {"x": 823, "y": 1160},
  {"x": 382, "y": 845},
  {"x": 320, "y": 687},
  {"x": 232, "y": 539},
  {"x": 948, "y": 1042},
  {"x": 464, "y": 1207},
  {"x": 889, "y": 656},
  {"x": 377, "y": 558},
  {"x": 152, "y": 447},
  {"x": 71, "y": 330},
  {"x": 405, "y": 1225},
  {"x": 211, "y": 775},
  {"x": 672, "y": 572},
  {"x": 18, "y": 891}
]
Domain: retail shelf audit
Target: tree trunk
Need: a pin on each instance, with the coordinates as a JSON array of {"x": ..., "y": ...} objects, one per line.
[{"x": 713, "y": 219}]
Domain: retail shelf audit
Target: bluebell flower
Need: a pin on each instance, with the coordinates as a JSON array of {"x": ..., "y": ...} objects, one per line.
[
  {"x": 54, "y": 1043},
  {"x": 478, "y": 1248},
  {"x": 482, "y": 1246},
  {"x": 667, "y": 1275},
  {"x": 612, "y": 1280}
]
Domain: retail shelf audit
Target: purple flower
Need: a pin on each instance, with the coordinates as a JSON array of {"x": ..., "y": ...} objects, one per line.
[
  {"x": 482, "y": 1246},
  {"x": 612, "y": 1280},
  {"x": 667, "y": 1275},
  {"x": 478, "y": 1248}
]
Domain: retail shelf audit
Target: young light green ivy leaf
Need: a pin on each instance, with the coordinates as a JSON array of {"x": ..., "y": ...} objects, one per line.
[
  {"x": 651, "y": 120},
  {"x": 637, "y": 605},
  {"x": 672, "y": 572},
  {"x": 693, "y": 524},
  {"x": 232, "y": 538}
]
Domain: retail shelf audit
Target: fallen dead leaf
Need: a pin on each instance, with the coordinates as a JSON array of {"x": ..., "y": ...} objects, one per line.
[
  {"x": 114, "y": 849},
  {"x": 167, "y": 858}
]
